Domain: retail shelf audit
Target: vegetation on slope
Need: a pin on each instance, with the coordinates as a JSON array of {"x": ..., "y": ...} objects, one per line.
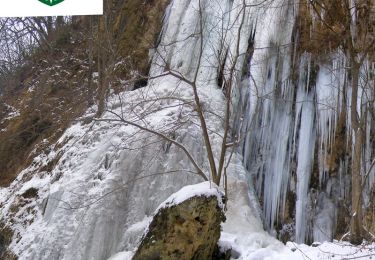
[{"x": 73, "y": 67}]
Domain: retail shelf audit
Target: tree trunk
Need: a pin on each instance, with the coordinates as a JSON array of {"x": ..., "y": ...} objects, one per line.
[
  {"x": 356, "y": 228},
  {"x": 356, "y": 231},
  {"x": 101, "y": 70},
  {"x": 90, "y": 87}
]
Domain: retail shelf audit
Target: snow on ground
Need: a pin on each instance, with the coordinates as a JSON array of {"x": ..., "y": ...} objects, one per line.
[{"x": 333, "y": 250}]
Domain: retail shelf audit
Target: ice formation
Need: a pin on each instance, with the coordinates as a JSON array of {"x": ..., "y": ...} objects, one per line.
[{"x": 291, "y": 125}]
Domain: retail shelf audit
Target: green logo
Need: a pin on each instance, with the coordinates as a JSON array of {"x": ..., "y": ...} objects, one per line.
[{"x": 51, "y": 2}]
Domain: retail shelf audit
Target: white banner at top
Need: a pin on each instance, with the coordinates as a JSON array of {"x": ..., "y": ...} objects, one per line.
[{"x": 23, "y": 8}]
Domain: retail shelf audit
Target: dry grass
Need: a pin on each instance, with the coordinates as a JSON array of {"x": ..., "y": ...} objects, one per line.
[{"x": 58, "y": 96}]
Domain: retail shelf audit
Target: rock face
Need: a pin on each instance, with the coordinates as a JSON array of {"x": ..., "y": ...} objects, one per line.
[{"x": 189, "y": 230}]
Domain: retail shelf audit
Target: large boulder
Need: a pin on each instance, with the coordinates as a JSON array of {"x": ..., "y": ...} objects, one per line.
[{"x": 186, "y": 226}]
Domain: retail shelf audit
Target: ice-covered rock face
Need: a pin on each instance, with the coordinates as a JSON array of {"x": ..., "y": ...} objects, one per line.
[{"x": 101, "y": 180}]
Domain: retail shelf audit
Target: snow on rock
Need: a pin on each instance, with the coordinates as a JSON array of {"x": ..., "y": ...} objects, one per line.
[
  {"x": 122, "y": 256},
  {"x": 206, "y": 189}
]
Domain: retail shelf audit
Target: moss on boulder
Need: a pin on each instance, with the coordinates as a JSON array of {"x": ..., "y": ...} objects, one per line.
[{"x": 189, "y": 230}]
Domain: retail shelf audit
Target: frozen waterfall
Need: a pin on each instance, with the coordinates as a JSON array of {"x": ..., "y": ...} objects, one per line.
[
  {"x": 298, "y": 125},
  {"x": 290, "y": 111}
]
